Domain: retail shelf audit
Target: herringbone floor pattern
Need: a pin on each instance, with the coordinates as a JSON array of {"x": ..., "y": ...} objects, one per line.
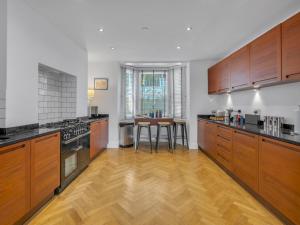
[{"x": 122, "y": 187}]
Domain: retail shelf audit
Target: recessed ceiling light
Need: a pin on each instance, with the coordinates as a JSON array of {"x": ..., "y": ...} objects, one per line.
[
  {"x": 100, "y": 29},
  {"x": 112, "y": 48},
  {"x": 178, "y": 47},
  {"x": 189, "y": 28}
]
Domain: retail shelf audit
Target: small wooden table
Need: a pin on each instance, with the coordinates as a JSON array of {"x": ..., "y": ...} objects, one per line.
[{"x": 153, "y": 121}]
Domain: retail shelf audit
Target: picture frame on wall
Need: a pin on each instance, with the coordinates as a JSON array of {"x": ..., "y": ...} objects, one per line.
[{"x": 101, "y": 83}]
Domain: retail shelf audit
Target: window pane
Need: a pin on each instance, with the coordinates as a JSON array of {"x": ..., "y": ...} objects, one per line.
[
  {"x": 129, "y": 93},
  {"x": 147, "y": 92},
  {"x": 160, "y": 87}
]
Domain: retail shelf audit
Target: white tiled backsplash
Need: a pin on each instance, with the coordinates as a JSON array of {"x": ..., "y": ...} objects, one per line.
[{"x": 57, "y": 96}]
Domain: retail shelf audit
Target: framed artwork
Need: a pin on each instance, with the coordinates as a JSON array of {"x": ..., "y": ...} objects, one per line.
[{"x": 101, "y": 84}]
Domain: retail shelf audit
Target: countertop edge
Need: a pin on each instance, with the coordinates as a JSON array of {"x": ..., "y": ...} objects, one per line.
[
  {"x": 252, "y": 132},
  {"x": 30, "y": 137}
]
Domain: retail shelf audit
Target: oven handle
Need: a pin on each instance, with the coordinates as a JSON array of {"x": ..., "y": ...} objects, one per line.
[
  {"x": 77, "y": 149},
  {"x": 75, "y": 138}
]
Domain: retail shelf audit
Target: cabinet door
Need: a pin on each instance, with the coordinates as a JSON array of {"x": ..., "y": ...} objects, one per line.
[
  {"x": 45, "y": 167},
  {"x": 279, "y": 181},
  {"x": 245, "y": 157},
  {"x": 223, "y": 76},
  {"x": 239, "y": 68},
  {"x": 291, "y": 48},
  {"x": 93, "y": 139},
  {"x": 212, "y": 80},
  {"x": 210, "y": 143},
  {"x": 14, "y": 182},
  {"x": 265, "y": 57},
  {"x": 201, "y": 134}
]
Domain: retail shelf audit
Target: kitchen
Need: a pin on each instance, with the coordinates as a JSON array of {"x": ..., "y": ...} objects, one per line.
[{"x": 236, "y": 99}]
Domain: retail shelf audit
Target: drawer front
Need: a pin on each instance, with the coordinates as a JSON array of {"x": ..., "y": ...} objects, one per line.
[
  {"x": 245, "y": 158},
  {"x": 279, "y": 182},
  {"x": 225, "y": 132},
  {"x": 224, "y": 153}
]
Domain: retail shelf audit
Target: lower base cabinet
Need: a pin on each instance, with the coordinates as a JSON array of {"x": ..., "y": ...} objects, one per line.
[
  {"x": 29, "y": 173},
  {"x": 14, "y": 182},
  {"x": 279, "y": 176},
  {"x": 99, "y": 137},
  {"x": 245, "y": 158},
  {"x": 45, "y": 167},
  {"x": 269, "y": 167}
]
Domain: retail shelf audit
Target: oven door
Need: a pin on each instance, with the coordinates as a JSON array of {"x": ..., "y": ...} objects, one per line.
[{"x": 75, "y": 155}]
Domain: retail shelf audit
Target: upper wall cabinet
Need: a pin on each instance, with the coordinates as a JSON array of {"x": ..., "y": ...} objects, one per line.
[
  {"x": 223, "y": 81},
  {"x": 239, "y": 68},
  {"x": 291, "y": 48},
  {"x": 273, "y": 58},
  {"x": 265, "y": 58},
  {"x": 212, "y": 80}
]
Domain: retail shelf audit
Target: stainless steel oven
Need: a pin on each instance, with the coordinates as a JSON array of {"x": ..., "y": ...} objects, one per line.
[{"x": 75, "y": 157}]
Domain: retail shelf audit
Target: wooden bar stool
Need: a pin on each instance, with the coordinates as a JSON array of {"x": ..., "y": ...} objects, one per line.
[
  {"x": 167, "y": 125},
  {"x": 184, "y": 134},
  {"x": 139, "y": 128}
]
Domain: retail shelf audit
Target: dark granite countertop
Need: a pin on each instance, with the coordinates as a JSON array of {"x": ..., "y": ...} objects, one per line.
[
  {"x": 14, "y": 138},
  {"x": 278, "y": 135},
  {"x": 91, "y": 120}
]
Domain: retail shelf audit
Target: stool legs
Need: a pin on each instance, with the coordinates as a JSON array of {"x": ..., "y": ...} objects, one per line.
[
  {"x": 150, "y": 138},
  {"x": 157, "y": 137},
  {"x": 139, "y": 137},
  {"x": 184, "y": 134},
  {"x": 169, "y": 133},
  {"x": 175, "y": 134},
  {"x": 187, "y": 139}
]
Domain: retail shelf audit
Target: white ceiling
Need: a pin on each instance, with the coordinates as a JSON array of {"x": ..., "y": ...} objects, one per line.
[{"x": 219, "y": 26}]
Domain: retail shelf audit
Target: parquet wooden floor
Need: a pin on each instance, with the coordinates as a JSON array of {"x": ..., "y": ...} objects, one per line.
[{"x": 122, "y": 187}]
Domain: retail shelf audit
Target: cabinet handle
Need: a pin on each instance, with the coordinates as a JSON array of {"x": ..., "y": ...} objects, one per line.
[
  {"x": 263, "y": 81},
  {"x": 223, "y": 138},
  {"x": 46, "y": 138},
  {"x": 13, "y": 149},
  {"x": 281, "y": 145},
  {"x": 225, "y": 128},
  {"x": 222, "y": 146},
  {"x": 246, "y": 134}
]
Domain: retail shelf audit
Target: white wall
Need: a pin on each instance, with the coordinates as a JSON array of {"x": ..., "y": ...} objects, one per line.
[
  {"x": 108, "y": 100},
  {"x": 280, "y": 100},
  {"x": 199, "y": 101},
  {"x": 31, "y": 39},
  {"x": 3, "y": 33}
]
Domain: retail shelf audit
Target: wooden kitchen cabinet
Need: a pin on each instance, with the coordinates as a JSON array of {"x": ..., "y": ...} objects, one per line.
[
  {"x": 224, "y": 146},
  {"x": 239, "y": 68},
  {"x": 218, "y": 78},
  {"x": 265, "y": 58},
  {"x": 14, "y": 182},
  {"x": 45, "y": 167},
  {"x": 291, "y": 48},
  {"x": 201, "y": 134},
  {"x": 279, "y": 176},
  {"x": 99, "y": 137},
  {"x": 212, "y": 80},
  {"x": 245, "y": 158},
  {"x": 210, "y": 135},
  {"x": 207, "y": 137},
  {"x": 223, "y": 76}
]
